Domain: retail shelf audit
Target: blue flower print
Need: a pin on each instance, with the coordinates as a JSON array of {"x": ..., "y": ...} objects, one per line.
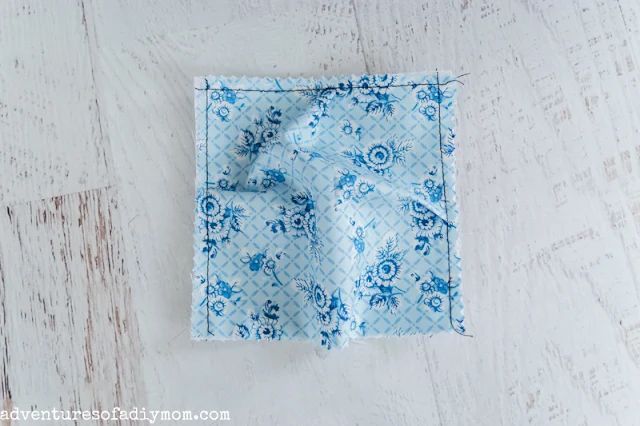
[
  {"x": 218, "y": 294},
  {"x": 262, "y": 325},
  {"x": 437, "y": 294},
  {"x": 223, "y": 113},
  {"x": 262, "y": 261},
  {"x": 224, "y": 183},
  {"x": 358, "y": 239},
  {"x": 305, "y": 155},
  {"x": 377, "y": 282},
  {"x": 348, "y": 129},
  {"x": 331, "y": 312},
  {"x": 263, "y": 136},
  {"x": 217, "y": 306},
  {"x": 299, "y": 221},
  {"x": 379, "y": 157},
  {"x": 433, "y": 292},
  {"x": 362, "y": 326},
  {"x": 271, "y": 178},
  {"x": 243, "y": 331},
  {"x": 369, "y": 93},
  {"x": 220, "y": 222},
  {"x": 427, "y": 107},
  {"x": 429, "y": 100},
  {"x": 318, "y": 203},
  {"x": 320, "y": 98},
  {"x": 351, "y": 187},
  {"x": 449, "y": 146},
  {"x": 429, "y": 189},
  {"x": 428, "y": 226},
  {"x": 221, "y": 101},
  {"x": 374, "y": 97}
]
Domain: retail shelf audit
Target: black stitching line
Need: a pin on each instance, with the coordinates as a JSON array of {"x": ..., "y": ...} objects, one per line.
[
  {"x": 206, "y": 186},
  {"x": 446, "y": 211},
  {"x": 412, "y": 85}
]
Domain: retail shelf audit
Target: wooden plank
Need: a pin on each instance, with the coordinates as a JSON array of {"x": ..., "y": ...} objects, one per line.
[
  {"x": 548, "y": 186},
  {"x": 145, "y": 88},
  {"x": 69, "y": 329},
  {"x": 95, "y": 287},
  {"x": 51, "y": 139}
]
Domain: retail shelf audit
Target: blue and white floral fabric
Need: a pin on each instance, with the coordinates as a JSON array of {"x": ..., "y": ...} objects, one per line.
[{"x": 325, "y": 208}]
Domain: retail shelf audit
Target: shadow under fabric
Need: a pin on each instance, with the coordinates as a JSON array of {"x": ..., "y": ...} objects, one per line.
[{"x": 325, "y": 208}]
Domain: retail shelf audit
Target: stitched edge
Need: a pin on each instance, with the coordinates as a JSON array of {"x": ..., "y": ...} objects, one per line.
[
  {"x": 207, "y": 88},
  {"x": 206, "y": 189},
  {"x": 308, "y": 89},
  {"x": 446, "y": 208}
]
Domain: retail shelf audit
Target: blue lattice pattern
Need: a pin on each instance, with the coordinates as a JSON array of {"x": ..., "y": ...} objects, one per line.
[{"x": 325, "y": 208}]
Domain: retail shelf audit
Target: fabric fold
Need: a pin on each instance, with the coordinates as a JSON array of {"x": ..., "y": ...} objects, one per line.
[{"x": 325, "y": 208}]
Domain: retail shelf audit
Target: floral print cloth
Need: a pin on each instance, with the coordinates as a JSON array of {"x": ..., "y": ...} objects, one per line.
[{"x": 325, "y": 208}]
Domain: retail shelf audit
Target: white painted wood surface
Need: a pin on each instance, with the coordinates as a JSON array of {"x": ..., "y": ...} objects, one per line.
[{"x": 96, "y": 189}]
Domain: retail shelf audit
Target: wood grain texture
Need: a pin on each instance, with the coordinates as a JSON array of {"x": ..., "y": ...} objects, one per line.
[
  {"x": 51, "y": 139},
  {"x": 95, "y": 295},
  {"x": 69, "y": 327},
  {"x": 551, "y": 280}
]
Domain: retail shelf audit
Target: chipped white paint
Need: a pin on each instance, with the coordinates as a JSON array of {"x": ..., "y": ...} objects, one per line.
[
  {"x": 96, "y": 111},
  {"x": 50, "y": 129}
]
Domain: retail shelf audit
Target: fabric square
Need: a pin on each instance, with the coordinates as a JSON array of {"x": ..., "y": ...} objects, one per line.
[{"x": 325, "y": 208}]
